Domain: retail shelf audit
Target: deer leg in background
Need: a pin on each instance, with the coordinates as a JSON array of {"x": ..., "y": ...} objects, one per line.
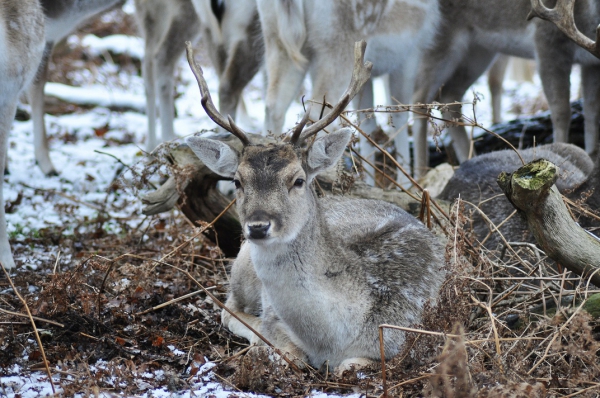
[
  {"x": 150, "y": 90},
  {"x": 35, "y": 96},
  {"x": 243, "y": 63},
  {"x": 167, "y": 57},
  {"x": 590, "y": 84},
  {"x": 368, "y": 125},
  {"x": 555, "y": 59},
  {"x": 437, "y": 66},
  {"x": 465, "y": 75},
  {"x": 402, "y": 85},
  {"x": 7, "y": 114},
  {"x": 496, "y": 75},
  {"x": 284, "y": 79}
]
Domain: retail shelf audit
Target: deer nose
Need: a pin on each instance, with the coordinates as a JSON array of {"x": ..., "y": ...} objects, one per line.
[{"x": 258, "y": 230}]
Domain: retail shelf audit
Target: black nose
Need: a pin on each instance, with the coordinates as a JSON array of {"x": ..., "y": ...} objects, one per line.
[{"x": 258, "y": 230}]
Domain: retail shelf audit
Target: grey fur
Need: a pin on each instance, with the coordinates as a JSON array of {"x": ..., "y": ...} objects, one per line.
[
  {"x": 475, "y": 181},
  {"x": 330, "y": 270},
  {"x": 21, "y": 49},
  {"x": 473, "y": 32}
]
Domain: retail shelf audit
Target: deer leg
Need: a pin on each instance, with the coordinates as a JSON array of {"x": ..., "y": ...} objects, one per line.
[
  {"x": 437, "y": 67},
  {"x": 555, "y": 61},
  {"x": 7, "y": 114},
  {"x": 242, "y": 64},
  {"x": 36, "y": 100},
  {"x": 368, "y": 124},
  {"x": 472, "y": 66},
  {"x": 169, "y": 52},
  {"x": 284, "y": 79},
  {"x": 150, "y": 89},
  {"x": 495, "y": 76},
  {"x": 402, "y": 84},
  {"x": 591, "y": 104}
]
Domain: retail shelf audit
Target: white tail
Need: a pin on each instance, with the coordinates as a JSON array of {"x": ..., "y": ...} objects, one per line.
[
  {"x": 21, "y": 49},
  {"x": 318, "y": 276}
]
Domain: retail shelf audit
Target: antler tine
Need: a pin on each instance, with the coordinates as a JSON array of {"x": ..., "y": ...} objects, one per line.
[
  {"x": 360, "y": 75},
  {"x": 563, "y": 17},
  {"x": 207, "y": 102},
  {"x": 300, "y": 126}
]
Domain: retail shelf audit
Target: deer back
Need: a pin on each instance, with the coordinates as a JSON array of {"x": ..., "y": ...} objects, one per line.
[{"x": 475, "y": 181}]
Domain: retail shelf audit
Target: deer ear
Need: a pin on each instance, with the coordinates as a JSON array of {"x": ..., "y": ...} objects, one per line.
[
  {"x": 216, "y": 155},
  {"x": 327, "y": 150}
]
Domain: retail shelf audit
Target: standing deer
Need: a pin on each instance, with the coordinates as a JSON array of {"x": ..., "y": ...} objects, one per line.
[
  {"x": 316, "y": 36},
  {"x": 318, "y": 276},
  {"x": 62, "y": 17},
  {"x": 21, "y": 49},
  {"x": 472, "y": 32},
  {"x": 229, "y": 30}
]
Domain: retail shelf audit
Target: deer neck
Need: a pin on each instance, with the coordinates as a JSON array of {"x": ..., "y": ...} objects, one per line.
[{"x": 306, "y": 254}]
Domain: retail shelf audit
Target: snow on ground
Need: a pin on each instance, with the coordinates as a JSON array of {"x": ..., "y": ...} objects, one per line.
[{"x": 86, "y": 162}]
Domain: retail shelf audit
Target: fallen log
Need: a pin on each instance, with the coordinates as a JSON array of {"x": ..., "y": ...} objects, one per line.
[
  {"x": 532, "y": 192},
  {"x": 194, "y": 188}
]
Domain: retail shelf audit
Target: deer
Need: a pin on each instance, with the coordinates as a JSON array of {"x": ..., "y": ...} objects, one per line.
[
  {"x": 317, "y": 276},
  {"x": 62, "y": 17},
  {"x": 475, "y": 182},
  {"x": 470, "y": 36},
  {"x": 303, "y": 36},
  {"x": 21, "y": 50},
  {"x": 230, "y": 32}
]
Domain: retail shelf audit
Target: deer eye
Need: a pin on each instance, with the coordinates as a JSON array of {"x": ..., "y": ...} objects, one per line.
[
  {"x": 237, "y": 184},
  {"x": 299, "y": 182}
]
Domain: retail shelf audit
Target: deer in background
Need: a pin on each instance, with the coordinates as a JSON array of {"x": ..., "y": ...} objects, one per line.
[
  {"x": 472, "y": 32},
  {"x": 317, "y": 37},
  {"x": 317, "y": 276},
  {"x": 21, "y": 50},
  {"x": 230, "y": 32},
  {"x": 62, "y": 17}
]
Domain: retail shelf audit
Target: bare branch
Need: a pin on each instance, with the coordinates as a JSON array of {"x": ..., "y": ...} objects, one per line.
[
  {"x": 562, "y": 16},
  {"x": 360, "y": 75},
  {"x": 207, "y": 102}
]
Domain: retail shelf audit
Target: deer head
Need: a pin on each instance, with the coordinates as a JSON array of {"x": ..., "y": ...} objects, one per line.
[{"x": 273, "y": 182}]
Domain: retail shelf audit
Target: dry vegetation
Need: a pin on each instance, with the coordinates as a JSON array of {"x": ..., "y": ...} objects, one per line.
[{"x": 509, "y": 323}]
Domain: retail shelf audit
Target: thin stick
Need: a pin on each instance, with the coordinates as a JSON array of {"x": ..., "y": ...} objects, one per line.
[
  {"x": 166, "y": 304},
  {"x": 35, "y": 331},
  {"x": 407, "y": 382},
  {"x": 382, "y": 354},
  {"x": 34, "y": 317},
  {"x": 209, "y": 225}
]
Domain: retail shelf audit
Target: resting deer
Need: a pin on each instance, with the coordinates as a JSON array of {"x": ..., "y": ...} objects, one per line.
[
  {"x": 62, "y": 17},
  {"x": 317, "y": 276},
  {"x": 230, "y": 32},
  {"x": 475, "y": 182},
  {"x": 317, "y": 37},
  {"x": 21, "y": 49},
  {"x": 472, "y": 32}
]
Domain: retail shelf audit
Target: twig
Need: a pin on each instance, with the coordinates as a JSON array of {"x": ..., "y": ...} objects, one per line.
[
  {"x": 34, "y": 317},
  {"x": 35, "y": 331},
  {"x": 175, "y": 300}
]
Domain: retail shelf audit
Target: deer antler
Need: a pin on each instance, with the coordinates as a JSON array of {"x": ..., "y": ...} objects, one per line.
[
  {"x": 562, "y": 16},
  {"x": 207, "y": 102},
  {"x": 360, "y": 75}
]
